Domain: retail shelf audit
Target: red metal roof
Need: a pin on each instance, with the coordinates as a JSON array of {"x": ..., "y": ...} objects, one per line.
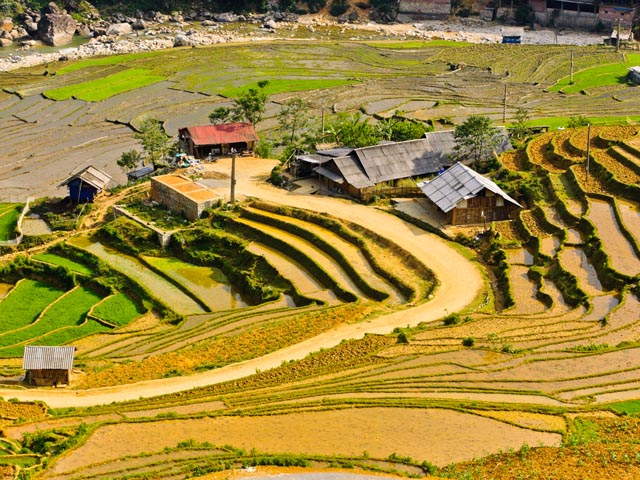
[{"x": 222, "y": 134}]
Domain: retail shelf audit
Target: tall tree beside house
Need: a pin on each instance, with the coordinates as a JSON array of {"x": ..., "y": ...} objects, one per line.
[
  {"x": 352, "y": 131},
  {"x": 249, "y": 106},
  {"x": 476, "y": 139},
  {"x": 295, "y": 127},
  {"x": 129, "y": 160},
  {"x": 155, "y": 142}
]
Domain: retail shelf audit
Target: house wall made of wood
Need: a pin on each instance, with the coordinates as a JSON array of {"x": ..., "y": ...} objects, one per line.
[
  {"x": 481, "y": 210},
  {"x": 48, "y": 377}
]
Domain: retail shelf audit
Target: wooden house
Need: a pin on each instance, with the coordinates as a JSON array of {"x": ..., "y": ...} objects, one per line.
[
  {"x": 360, "y": 172},
  {"x": 85, "y": 185},
  {"x": 210, "y": 140},
  {"x": 466, "y": 197},
  {"x": 48, "y": 366}
]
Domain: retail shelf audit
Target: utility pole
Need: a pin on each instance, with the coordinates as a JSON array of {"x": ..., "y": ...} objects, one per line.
[
  {"x": 233, "y": 176},
  {"x": 323, "y": 123},
  {"x": 618, "y": 37},
  {"x": 504, "y": 105},
  {"x": 588, "y": 150},
  {"x": 571, "y": 70}
]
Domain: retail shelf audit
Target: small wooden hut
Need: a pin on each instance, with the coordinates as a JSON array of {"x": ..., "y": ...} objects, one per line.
[
  {"x": 466, "y": 197},
  {"x": 210, "y": 140},
  {"x": 85, "y": 185},
  {"x": 48, "y": 366}
]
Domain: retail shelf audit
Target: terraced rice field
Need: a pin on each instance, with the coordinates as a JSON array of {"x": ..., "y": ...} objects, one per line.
[{"x": 454, "y": 381}]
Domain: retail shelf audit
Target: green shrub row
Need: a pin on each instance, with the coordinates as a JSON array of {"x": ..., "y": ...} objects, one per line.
[
  {"x": 536, "y": 275},
  {"x": 497, "y": 260},
  {"x": 251, "y": 275},
  {"x": 567, "y": 284},
  {"x": 325, "y": 246},
  {"x": 314, "y": 269},
  {"x": 609, "y": 277},
  {"x": 347, "y": 234}
]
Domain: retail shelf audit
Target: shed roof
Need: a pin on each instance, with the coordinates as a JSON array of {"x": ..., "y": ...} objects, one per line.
[
  {"x": 48, "y": 358},
  {"x": 92, "y": 176},
  {"x": 367, "y": 166},
  {"x": 221, "y": 134},
  {"x": 457, "y": 183}
]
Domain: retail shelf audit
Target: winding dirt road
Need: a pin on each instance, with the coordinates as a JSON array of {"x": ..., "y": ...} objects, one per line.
[{"x": 460, "y": 283}]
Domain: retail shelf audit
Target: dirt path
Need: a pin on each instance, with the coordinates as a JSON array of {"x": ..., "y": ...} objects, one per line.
[{"x": 451, "y": 268}]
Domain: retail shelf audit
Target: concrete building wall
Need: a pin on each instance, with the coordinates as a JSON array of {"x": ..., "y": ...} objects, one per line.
[{"x": 425, "y": 9}]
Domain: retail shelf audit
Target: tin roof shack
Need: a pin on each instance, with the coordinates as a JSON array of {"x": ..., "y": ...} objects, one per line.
[
  {"x": 210, "y": 140},
  {"x": 359, "y": 172},
  {"x": 48, "y": 366},
  {"x": 466, "y": 197},
  {"x": 85, "y": 185},
  {"x": 182, "y": 195}
]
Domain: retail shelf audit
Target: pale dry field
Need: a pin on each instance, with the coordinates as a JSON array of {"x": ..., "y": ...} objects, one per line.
[{"x": 423, "y": 434}]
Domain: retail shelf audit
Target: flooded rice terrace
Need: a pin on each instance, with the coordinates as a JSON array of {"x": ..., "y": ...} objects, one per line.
[{"x": 208, "y": 285}]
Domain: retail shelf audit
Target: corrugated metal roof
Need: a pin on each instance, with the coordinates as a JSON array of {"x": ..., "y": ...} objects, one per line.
[
  {"x": 351, "y": 169},
  {"x": 392, "y": 161},
  {"x": 457, "y": 183},
  {"x": 91, "y": 175},
  {"x": 48, "y": 358},
  {"x": 368, "y": 166},
  {"x": 221, "y": 134},
  {"x": 325, "y": 172}
]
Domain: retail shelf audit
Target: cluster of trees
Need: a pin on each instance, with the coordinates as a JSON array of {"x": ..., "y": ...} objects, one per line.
[{"x": 386, "y": 8}]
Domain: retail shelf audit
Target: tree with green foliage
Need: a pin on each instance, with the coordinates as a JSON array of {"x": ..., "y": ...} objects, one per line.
[
  {"x": 400, "y": 130},
  {"x": 519, "y": 128},
  {"x": 129, "y": 160},
  {"x": 295, "y": 128},
  {"x": 294, "y": 119},
  {"x": 221, "y": 115},
  {"x": 249, "y": 106},
  {"x": 577, "y": 121},
  {"x": 155, "y": 142},
  {"x": 352, "y": 131},
  {"x": 476, "y": 138}
]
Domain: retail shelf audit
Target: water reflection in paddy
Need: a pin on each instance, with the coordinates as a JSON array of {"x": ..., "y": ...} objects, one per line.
[
  {"x": 133, "y": 268},
  {"x": 207, "y": 283}
]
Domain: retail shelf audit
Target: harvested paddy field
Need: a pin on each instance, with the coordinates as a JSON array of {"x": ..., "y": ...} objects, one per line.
[{"x": 348, "y": 337}]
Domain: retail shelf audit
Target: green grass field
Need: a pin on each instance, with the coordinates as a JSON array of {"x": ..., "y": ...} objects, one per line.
[
  {"x": 9, "y": 214},
  {"x": 63, "y": 262},
  {"x": 25, "y": 302},
  {"x": 418, "y": 44},
  {"x": 599, "y": 76},
  {"x": 632, "y": 407},
  {"x": 117, "y": 310},
  {"x": 69, "y": 311},
  {"x": 103, "y": 88}
]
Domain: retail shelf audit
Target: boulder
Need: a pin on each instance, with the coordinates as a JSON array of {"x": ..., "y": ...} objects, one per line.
[
  {"x": 118, "y": 29},
  {"x": 270, "y": 24},
  {"x": 182, "y": 40},
  {"x": 31, "y": 26},
  {"x": 225, "y": 17},
  {"x": 5, "y": 42},
  {"x": 139, "y": 24},
  {"x": 56, "y": 28}
]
